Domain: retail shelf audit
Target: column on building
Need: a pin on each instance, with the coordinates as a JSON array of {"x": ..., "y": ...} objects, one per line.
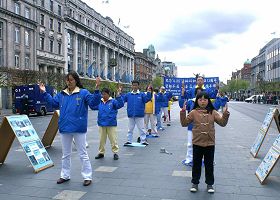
[
  {"x": 84, "y": 67},
  {"x": 75, "y": 52},
  {"x": 9, "y": 45},
  {"x": 98, "y": 58},
  {"x": 105, "y": 62},
  {"x": 114, "y": 68}
]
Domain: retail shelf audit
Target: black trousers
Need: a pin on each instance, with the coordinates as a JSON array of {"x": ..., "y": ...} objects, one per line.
[{"x": 198, "y": 153}]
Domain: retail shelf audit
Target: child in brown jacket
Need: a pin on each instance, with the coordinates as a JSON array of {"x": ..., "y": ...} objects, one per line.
[{"x": 203, "y": 117}]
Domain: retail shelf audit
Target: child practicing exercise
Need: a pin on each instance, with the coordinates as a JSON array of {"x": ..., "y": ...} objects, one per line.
[{"x": 203, "y": 117}]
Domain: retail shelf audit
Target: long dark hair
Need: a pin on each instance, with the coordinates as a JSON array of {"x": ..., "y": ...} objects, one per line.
[
  {"x": 76, "y": 77},
  {"x": 209, "y": 106}
]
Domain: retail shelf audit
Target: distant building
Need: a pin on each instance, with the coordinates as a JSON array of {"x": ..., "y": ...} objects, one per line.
[
  {"x": 170, "y": 68},
  {"x": 143, "y": 68},
  {"x": 246, "y": 71}
]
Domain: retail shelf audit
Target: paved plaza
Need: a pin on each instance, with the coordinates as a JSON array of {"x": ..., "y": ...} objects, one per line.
[{"x": 145, "y": 173}]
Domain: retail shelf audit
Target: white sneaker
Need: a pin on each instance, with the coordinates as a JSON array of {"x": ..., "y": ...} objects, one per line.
[
  {"x": 210, "y": 189},
  {"x": 194, "y": 188}
]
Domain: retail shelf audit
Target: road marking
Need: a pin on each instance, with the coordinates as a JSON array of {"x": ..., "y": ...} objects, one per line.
[
  {"x": 182, "y": 173},
  {"x": 105, "y": 169},
  {"x": 69, "y": 195}
]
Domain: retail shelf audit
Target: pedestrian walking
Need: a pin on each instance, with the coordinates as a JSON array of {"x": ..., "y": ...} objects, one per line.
[
  {"x": 107, "y": 122},
  {"x": 203, "y": 117},
  {"x": 73, "y": 104}
]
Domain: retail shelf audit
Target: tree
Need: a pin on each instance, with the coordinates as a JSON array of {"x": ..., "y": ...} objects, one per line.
[{"x": 157, "y": 82}]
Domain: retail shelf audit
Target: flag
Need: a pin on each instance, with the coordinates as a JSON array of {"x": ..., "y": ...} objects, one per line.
[{"x": 90, "y": 70}]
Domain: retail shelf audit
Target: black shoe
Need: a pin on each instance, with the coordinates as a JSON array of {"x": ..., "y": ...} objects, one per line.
[
  {"x": 168, "y": 124},
  {"x": 127, "y": 143},
  {"x": 138, "y": 140},
  {"x": 145, "y": 143},
  {"x": 116, "y": 156},
  {"x": 61, "y": 180},
  {"x": 87, "y": 182},
  {"x": 99, "y": 156}
]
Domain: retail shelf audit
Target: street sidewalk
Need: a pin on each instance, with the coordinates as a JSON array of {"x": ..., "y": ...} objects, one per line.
[{"x": 147, "y": 174}]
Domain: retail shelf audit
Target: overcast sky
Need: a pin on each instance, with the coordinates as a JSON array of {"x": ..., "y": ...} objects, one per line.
[{"x": 211, "y": 37}]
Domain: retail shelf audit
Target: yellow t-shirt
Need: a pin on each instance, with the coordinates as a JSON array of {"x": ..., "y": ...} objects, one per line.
[
  {"x": 169, "y": 105},
  {"x": 149, "y": 106}
]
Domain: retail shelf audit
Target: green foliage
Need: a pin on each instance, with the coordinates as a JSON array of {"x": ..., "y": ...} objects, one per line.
[
  {"x": 157, "y": 82},
  {"x": 236, "y": 85}
]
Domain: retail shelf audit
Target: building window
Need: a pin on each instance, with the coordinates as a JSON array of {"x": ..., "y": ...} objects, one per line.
[
  {"x": 27, "y": 62},
  {"x": 1, "y": 30},
  {"x": 79, "y": 46},
  {"x": 59, "y": 10},
  {"x": 70, "y": 62},
  {"x": 1, "y": 3},
  {"x": 43, "y": 3},
  {"x": 51, "y": 46},
  {"x": 70, "y": 40},
  {"x": 1, "y": 58},
  {"x": 59, "y": 48},
  {"x": 17, "y": 60},
  {"x": 42, "y": 43},
  {"x": 51, "y": 5},
  {"x": 42, "y": 19},
  {"x": 59, "y": 27},
  {"x": 51, "y": 24},
  {"x": 27, "y": 38},
  {"x": 17, "y": 34},
  {"x": 17, "y": 8},
  {"x": 27, "y": 13}
]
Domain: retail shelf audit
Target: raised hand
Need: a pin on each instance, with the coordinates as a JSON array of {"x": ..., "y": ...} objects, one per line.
[
  {"x": 183, "y": 88},
  {"x": 185, "y": 105},
  {"x": 149, "y": 88},
  {"x": 97, "y": 82},
  {"x": 119, "y": 90},
  {"x": 42, "y": 87},
  {"x": 226, "y": 108}
]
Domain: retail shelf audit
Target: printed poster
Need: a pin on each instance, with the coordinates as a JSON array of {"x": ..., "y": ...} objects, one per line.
[
  {"x": 267, "y": 164},
  {"x": 257, "y": 144},
  {"x": 268, "y": 119},
  {"x": 30, "y": 142}
]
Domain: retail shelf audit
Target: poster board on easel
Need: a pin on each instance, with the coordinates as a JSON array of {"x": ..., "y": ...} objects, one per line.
[
  {"x": 51, "y": 131},
  {"x": 269, "y": 161},
  {"x": 21, "y": 128},
  {"x": 272, "y": 113}
]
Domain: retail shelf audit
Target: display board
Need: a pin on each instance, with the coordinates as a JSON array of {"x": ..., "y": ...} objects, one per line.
[
  {"x": 272, "y": 113},
  {"x": 21, "y": 127},
  {"x": 51, "y": 131},
  {"x": 174, "y": 84},
  {"x": 269, "y": 161}
]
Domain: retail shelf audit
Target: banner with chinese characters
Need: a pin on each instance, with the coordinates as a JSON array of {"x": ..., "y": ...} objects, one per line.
[{"x": 174, "y": 85}]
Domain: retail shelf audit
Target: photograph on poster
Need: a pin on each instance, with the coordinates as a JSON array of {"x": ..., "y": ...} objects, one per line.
[
  {"x": 46, "y": 156},
  {"x": 27, "y": 122},
  {"x": 276, "y": 143},
  {"x": 267, "y": 164},
  {"x": 257, "y": 143},
  {"x": 268, "y": 119},
  {"x": 26, "y": 133},
  {"x": 33, "y": 160},
  {"x": 39, "y": 144},
  {"x": 19, "y": 133},
  {"x": 27, "y": 149}
]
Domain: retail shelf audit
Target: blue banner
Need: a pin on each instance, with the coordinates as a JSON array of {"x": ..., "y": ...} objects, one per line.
[{"x": 174, "y": 84}]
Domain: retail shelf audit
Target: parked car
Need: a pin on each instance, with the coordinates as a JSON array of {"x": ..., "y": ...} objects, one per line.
[{"x": 252, "y": 98}]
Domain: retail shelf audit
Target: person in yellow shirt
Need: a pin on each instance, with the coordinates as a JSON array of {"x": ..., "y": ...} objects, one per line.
[{"x": 150, "y": 115}]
